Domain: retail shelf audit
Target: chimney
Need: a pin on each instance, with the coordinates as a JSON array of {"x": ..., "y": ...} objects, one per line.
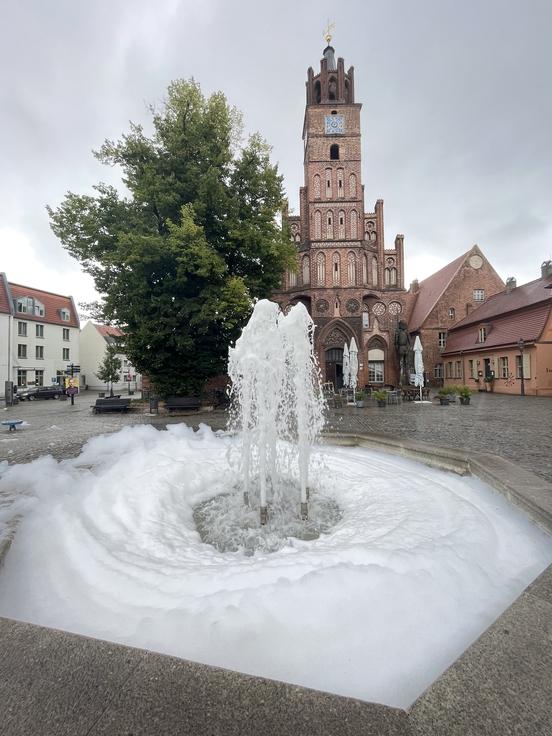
[
  {"x": 546, "y": 269},
  {"x": 415, "y": 286},
  {"x": 510, "y": 284}
]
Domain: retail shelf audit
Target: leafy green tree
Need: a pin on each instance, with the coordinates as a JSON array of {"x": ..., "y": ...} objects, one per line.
[
  {"x": 110, "y": 368},
  {"x": 181, "y": 258}
]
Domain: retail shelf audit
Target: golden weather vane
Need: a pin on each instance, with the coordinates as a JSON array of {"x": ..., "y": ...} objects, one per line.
[{"x": 328, "y": 32}]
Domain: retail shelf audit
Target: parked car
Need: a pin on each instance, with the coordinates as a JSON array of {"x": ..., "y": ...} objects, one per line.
[{"x": 40, "y": 392}]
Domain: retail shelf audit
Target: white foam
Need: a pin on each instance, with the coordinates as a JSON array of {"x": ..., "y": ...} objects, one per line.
[{"x": 418, "y": 565}]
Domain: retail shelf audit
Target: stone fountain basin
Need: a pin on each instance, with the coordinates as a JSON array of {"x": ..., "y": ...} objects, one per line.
[{"x": 527, "y": 492}]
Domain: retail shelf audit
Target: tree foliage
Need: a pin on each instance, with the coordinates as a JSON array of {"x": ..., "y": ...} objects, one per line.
[
  {"x": 110, "y": 367},
  {"x": 180, "y": 259}
]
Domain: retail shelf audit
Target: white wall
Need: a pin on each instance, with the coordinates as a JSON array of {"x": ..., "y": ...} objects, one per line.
[
  {"x": 92, "y": 352},
  {"x": 4, "y": 350},
  {"x": 53, "y": 345}
]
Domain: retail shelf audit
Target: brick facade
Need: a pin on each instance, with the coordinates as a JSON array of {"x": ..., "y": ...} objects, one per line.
[{"x": 351, "y": 285}]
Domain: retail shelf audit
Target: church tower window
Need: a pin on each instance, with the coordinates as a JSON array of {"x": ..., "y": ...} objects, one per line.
[
  {"x": 317, "y": 92},
  {"x": 292, "y": 279},
  {"x": 321, "y": 269},
  {"x": 351, "y": 269},
  {"x": 341, "y": 225},
  {"x": 328, "y": 183},
  {"x": 393, "y": 276},
  {"x": 329, "y": 225},
  {"x": 336, "y": 276},
  {"x": 365, "y": 269},
  {"x": 374, "y": 271},
  {"x": 332, "y": 88},
  {"x": 334, "y": 152},
  {"x": 340, "y": 187},
  {"x": 352, "y": 185}
]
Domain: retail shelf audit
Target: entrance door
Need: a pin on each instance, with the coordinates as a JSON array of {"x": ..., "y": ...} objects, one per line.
[
  {"x": 487, "y": 363},
  {"x": 334, "y": 367}
]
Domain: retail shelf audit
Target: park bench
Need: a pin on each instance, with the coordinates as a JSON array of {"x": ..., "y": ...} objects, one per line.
[
  {"x": 114, "y": 404},
  {"x": 173, "y": 403}
]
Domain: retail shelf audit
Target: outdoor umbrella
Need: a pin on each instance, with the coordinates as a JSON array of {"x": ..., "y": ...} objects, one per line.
[
  {"x": 353, "y": 364},
  {"x": 346, "y": 366},
  {"x": 418, "y": 364}
]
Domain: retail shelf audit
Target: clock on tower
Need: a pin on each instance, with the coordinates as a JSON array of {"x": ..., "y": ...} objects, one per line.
[{"x": 334, "y": 124}]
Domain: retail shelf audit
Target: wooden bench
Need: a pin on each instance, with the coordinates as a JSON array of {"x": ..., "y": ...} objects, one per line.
[
  {"x": 173, "y": 403},
  {"x": 113, "y": 404}
]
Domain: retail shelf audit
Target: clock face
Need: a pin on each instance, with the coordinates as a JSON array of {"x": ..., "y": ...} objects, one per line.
[
  {"x": 334, "y": 124},
  {"x": 476, "y": 261}
]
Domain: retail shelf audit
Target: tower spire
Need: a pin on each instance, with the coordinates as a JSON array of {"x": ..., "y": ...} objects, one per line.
[{"x": 328, "y": 32}]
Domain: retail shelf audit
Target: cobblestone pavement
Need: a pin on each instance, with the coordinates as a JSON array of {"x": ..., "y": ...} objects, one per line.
[{"x": 513, "y": 427}]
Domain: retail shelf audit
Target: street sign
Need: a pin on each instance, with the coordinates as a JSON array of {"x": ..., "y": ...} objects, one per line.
[{"x": 73, "y": 369}]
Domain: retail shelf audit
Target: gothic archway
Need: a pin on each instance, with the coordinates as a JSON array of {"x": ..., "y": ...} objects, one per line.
[{"x": 330, "y": 344}]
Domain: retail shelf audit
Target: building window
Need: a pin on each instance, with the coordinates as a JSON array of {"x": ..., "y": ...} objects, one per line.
[
  {"x": 482, "y": 334},
  {"x": 503, "y": 367},
  {"x": 376, "y": 372},
  {"x": 458, "y": 369},
  {"x": 65, "y": 354},
  {"x": 65, "y": 316},
  {"x": 365, "y": 269},
  {"x": 365, "y": 320},
  {"x": 472, "y": 369},
  {"x": 352, "y": 185},
  {"x": 479, "y": 295},
  {"x": 306, "y": 270},
  {"x": 374, "y": 271},
  {"x": 334, "y": 152},
  {"x": 438, "y": 370},
  {"x": 452, "y": 313},
  {"x": 21, "y": 351},
  {"x": 442, "y": 340},
  {"x": 351, "y": 269},
  {"x": 328, "y": 183},
  {"x": 340, "y": 187},
  {"x": 21, "y": 305},
  {"x": 65, "y": 333},
  {"x": 22, "y": 329},
  {"x": 329, "y": 225},
  {"x": 40, "y": 330},
  {"x": 448, "y": 373},
  {"x": 336, "y": 280},
  {"x": 526, "y": 366},
  {"x": 292, "y": 281},
  {"x": 39, "y": 378},
  {"x": 39, "y": 352},
  {"x": 321, "y": 269},
  {"x": 21, "y": 378},
  {"x": 393, "y": 276},
  {"x": 341, "y": 225}
]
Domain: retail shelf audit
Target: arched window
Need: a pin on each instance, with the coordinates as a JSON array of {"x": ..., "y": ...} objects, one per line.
[
  {"x": 328, "y": 189},
  {"x": 374, "y": 271},
  {"x": 352, "y": 186},
  {"x": 292, "y": 279},
  {"x": 297, "y": 238},
  {"x": 347, "y": 91},
  {"x": 373, "y": 235},
  {"x": 334, "y": 152},
  {"x": 341, "y": 225},
  {"x": 336, "y": 264},
  {"x": 316, "y": 186},
  {"x": 376, "y": 365},
  {"x": 305, "y": 270},
  {"x": 317, "y": 93},
  {"x": 317, "y": 224},
  {"x": 329, "y": 225},
  {"x": 321, "y": 269},
  {"x": 340, "y": 185},
  {"x": 332, "y": 88},
  {"x": 393, "y": 276},
  {"x": 365, "y": 269},
  {"x": 386, "y": 277},
  {"x": 354, "y": 226},
  {"x": 351, "y": 269}
]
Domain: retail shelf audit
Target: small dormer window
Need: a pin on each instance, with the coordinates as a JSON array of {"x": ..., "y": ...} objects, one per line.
[
  {"x": 65, "y": 316},
  {"x": 451, "y": 313},
  {"x": 482, "y": 334},
  {"x": 21, "y": 305}
]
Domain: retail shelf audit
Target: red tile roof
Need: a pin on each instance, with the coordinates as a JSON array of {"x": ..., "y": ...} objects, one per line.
[
  {"x": 53, "y": 303},
  {"x": 5, "y": 307},
  {"x": 505, "y": 329},
  {"x": 521, "y": 297},
  {"x": 108, "y": 331},
  {"x": 431, "y": 289}
]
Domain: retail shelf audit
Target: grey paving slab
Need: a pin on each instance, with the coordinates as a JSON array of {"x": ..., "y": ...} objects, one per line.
[
  {"x": 542, "y": 587},
  {"x": 502, "y": 685}
]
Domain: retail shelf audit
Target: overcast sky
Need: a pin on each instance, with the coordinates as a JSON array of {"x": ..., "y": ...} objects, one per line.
[{"x": 456, "y": 117}]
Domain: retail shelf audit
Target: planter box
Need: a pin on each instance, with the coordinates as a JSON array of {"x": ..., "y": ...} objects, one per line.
[{"x": 444, "y": 400}]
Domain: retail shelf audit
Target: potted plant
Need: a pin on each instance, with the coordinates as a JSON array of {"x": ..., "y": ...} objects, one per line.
[
  {"x": 380, "y": 397},
  {"x": 444, "y": 395},
  {"x": 359, "y": 399},
  {"x": 464, "y": 392}
]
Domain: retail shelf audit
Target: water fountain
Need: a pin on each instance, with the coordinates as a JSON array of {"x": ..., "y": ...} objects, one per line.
[{"x": 396, "y": 570}]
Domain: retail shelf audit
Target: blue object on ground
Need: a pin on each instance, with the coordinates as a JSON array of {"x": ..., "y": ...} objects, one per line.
[{"x": 12, "y": 423}]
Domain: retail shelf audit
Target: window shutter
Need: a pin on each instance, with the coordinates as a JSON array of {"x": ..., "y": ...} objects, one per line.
[{"x": 526, "y": 365}]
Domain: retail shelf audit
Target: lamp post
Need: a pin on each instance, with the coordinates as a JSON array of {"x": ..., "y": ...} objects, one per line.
[{"x": 521, "y": 346}]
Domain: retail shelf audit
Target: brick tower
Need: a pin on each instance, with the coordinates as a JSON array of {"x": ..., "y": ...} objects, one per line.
[{"x": 349, "y": 283}]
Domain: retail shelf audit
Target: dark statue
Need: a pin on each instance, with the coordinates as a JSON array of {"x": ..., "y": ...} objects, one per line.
[{"x": 403, "y": 347}]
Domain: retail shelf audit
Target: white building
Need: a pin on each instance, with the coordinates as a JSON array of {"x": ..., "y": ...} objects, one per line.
[
  {"x": 39, "y": 335},
  {"x": 94, "y": 340}
]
